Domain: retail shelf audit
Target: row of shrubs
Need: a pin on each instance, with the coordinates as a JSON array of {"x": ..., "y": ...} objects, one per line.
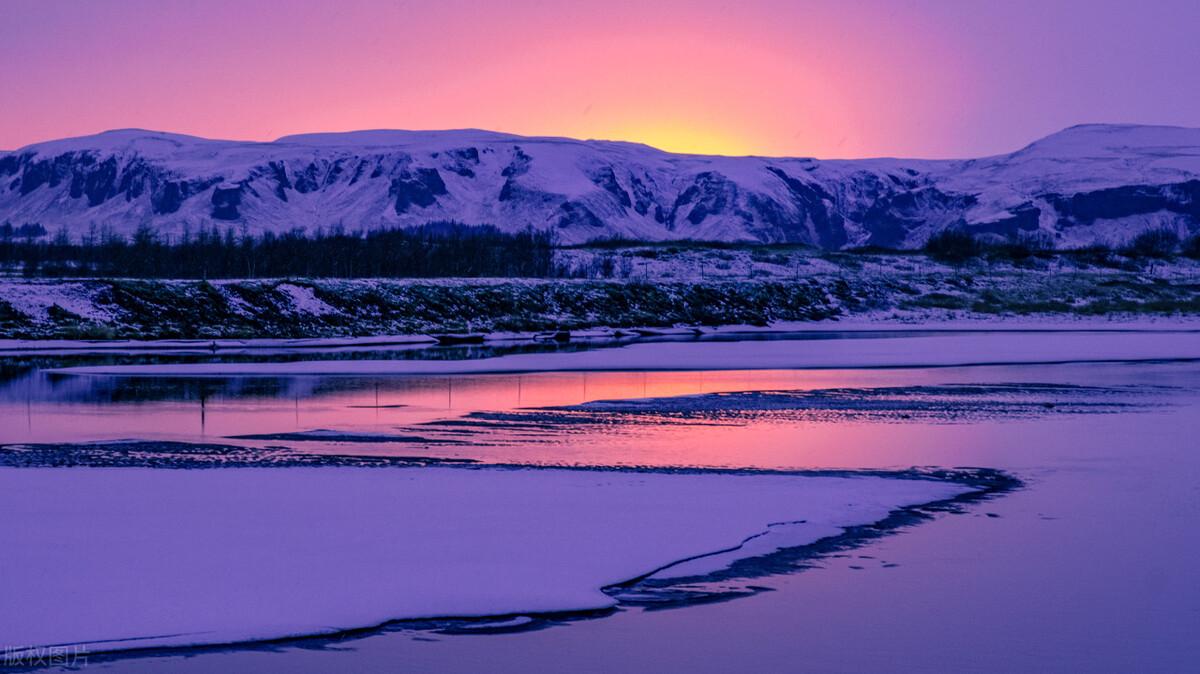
[
  {"x": 957, "y": 245},
  {"x": 432, "y": 250}
]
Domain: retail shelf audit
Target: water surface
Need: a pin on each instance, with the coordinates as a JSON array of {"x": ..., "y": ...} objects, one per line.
[{"x": 1089, "y": 566}]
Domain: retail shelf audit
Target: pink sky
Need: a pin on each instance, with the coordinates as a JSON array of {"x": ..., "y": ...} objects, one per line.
[{"x": 830, "y": 79}]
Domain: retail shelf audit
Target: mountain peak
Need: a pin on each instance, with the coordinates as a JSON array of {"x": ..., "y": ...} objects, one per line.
[
  {"x": 1113, "y": 140},
  {"x": 395, "y": 137},
  {"x": 132, "y": 140}
]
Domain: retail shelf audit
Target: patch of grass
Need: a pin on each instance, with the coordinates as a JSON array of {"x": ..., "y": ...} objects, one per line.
[
  {"x": 89, "y": 331},
  {"x": 61, "y": 315},
  {"x": 1099, "y": 255},
  {"x": 939, "y": 301},
  {"x": 9, "y": 314}
]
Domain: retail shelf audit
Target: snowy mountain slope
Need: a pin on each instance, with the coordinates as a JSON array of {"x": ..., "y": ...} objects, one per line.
[{"x": 1084, "y": 184}]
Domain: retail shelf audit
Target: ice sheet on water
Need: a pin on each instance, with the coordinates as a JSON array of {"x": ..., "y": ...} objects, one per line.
[
  {"x": 183, "y": 455},
  {"x": 132, "y": 557},
  {"x": 941, "y": 402},
  {"x": 953, "y": 403},
  {"x": 332, "y": 435}
]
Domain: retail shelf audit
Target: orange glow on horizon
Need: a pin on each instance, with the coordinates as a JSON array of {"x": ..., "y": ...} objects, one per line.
[
  {"x": 681, "y": 138},
  {"x": 770, "y": 78},
  {"x": 867, "y": 78}
]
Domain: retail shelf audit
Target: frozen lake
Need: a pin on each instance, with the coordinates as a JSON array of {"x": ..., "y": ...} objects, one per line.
[{"x": 1089, "y": 565}]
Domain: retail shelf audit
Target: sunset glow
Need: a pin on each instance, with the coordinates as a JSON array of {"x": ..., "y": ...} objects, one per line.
[{"x": 775, "y": 78}]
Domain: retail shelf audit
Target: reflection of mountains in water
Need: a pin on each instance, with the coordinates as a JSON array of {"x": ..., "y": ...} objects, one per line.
[{"x": 21, "y": 381}]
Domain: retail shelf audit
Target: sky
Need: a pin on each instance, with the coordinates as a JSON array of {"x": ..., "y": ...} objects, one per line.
[{"x": 911, "y": 78}]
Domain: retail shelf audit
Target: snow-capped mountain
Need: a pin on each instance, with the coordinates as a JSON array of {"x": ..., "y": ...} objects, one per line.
[{"x": 1087, "y": 183}]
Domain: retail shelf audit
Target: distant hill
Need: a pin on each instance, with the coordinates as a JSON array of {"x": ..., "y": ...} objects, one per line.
[{"x": 1082, "y": 185}]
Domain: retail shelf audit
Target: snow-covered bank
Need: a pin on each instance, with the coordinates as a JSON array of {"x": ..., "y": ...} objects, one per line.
[
  {"x": 126, "y": 558},
  {"x": 69, "y": 346},
  {"x": 851, "y": 327},
  {"x": 669, "y": 289},
  {"x": 898, "y": 349},
  {"x": 961, "y": 324}
]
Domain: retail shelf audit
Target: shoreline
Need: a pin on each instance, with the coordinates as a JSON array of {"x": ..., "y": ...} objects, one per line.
[
  {"x": 605, "y": 335},
  {"x": 921, "y": 349}
]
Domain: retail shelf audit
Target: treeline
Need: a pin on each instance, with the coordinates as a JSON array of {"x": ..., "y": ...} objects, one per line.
[
  {"x": 432, "y": 250},
  {"x": 956, "y": 245}
]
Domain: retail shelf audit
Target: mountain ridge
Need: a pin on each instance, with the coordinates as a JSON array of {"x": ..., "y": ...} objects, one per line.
[{"x": 1085, "y": 184}]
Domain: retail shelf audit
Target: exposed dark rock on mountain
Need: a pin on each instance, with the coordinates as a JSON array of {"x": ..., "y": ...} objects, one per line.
[{"x": 1087, "y": 184}]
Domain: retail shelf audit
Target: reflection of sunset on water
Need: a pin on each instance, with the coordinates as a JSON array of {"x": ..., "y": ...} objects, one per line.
[{"x": 211, "y": 411}]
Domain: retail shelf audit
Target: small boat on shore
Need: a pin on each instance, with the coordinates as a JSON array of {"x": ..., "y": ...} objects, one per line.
[
  {"x": 459, "y": 338},
  {"x": 561, "y": 336}
]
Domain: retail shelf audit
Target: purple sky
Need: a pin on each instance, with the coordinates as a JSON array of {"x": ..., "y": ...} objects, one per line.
[{"x": 873, "y": 77}]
